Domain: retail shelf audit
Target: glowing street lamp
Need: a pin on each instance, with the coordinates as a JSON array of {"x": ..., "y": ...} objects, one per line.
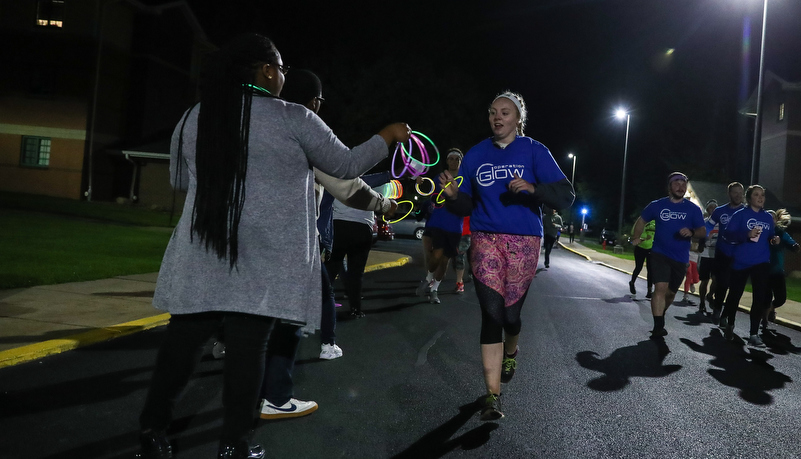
[
  {"x": 573, "y": 177},
  {"x": 623, "y": 114},
  {"x": 584, "y": 211}
]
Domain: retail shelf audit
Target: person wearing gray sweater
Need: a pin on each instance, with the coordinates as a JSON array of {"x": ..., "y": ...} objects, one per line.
[{"x": 244, "y": 253}]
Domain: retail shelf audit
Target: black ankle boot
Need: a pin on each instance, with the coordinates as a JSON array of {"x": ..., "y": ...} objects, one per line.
[
  {"x": 240, "y": 451},
  {"x": 154, "y": 445}
]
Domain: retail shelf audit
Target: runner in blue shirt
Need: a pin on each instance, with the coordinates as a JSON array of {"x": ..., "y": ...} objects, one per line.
[
  {"x": 752, "y": 231},
  {"x": 677, "y": 222},
  {"x": 441, "y": 237},
  {"x": 506, "y": 180},
  {"x": 721, "y": 268}
]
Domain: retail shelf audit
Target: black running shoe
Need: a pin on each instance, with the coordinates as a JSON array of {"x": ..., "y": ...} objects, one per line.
[
  {"x": 631, "y": 288},
  {"x": 658, "y": 333},
  {"x": 508, "y": 369},
  {"x": 492, "y": 408}
]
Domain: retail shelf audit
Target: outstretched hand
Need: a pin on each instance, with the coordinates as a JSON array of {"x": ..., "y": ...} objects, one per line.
[
  {"x": 393, "y": 206},
  {"x": 448, "y": 184},
  {"x": 396, "y": 132}
]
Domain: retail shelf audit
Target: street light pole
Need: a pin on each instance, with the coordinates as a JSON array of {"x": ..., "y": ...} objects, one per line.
[
  {"x": 573, "y": 177},
  {"x": 620, "y": 114},
  {"x": 758, "y": 119}
]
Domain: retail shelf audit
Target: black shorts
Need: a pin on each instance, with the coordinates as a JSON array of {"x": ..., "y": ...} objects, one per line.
[
  {"x": 445, "y": 240},
  {"x": 705, "y": 268},
  {"x": 664, "y": 269}
]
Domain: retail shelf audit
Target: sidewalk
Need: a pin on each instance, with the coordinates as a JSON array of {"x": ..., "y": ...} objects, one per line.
[
  {"x": 789, "y": 315},
  {"x": 40, "y": 321}
]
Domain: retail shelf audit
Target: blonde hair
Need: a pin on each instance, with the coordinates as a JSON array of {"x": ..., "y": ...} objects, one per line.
[{"x": 781, "y": 217}]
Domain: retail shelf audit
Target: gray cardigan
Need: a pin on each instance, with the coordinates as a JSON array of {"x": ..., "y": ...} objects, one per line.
[{"x": 278, "y": 268}]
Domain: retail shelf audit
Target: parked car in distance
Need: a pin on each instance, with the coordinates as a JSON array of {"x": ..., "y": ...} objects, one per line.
[
  {"x": 608, "y": 236},
  {"x": 384, "y": 230},
  {"x": 410, "y": 227}
]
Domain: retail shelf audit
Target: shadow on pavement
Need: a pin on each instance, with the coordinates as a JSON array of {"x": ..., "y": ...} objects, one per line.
[
  {"x": 641, "y": 360},
  {"x": 742, "y": 368},
  {"x": 622, "y": 299},
  {"x": 695, "y": 318},
  {"x": 438, "y": 442}
]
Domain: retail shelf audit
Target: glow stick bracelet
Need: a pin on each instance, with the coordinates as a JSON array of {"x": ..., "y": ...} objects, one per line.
[
  {"x": 433, "y": 187},
  {"x": 411, "y": 208},
  {"x": 459, "y": 178}
]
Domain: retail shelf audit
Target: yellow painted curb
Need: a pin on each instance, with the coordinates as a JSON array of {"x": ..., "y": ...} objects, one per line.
[
  {"x": 390, "y": 264},
  {"x": 54, "y": 346},
  {"x": 37, "y": 351}
]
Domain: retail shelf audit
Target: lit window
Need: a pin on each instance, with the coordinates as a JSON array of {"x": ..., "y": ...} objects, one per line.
[
  {"x": 781, "y": 112},
  {"x": 35, "y": 151},
  {"x": 50, "y": 13}
]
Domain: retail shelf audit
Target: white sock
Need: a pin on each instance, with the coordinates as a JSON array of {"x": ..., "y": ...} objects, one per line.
[
  {"x": 435, "y": 285},
  {"x": 430, "y": 276}
]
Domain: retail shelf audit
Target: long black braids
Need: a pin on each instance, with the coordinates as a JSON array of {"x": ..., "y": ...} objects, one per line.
[{"x": 223, "y": 131}]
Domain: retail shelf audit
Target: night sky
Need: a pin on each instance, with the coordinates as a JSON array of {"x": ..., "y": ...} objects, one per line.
[{"x": 438, "y": 64}]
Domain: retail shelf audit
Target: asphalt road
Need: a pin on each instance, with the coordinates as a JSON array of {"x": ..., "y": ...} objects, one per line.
[{"x": 589, "y": 384}]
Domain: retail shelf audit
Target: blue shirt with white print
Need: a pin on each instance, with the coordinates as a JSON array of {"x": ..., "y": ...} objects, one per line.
[
  {"x": 748, "y": 253},
  {"x": 720, "y": 217},
  {"x": 670, "y": 218},
  {"x": 487, "y": 170}
]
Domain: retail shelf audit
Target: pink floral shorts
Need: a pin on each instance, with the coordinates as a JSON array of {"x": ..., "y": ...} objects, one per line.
[{"x": 506, "y": 263}]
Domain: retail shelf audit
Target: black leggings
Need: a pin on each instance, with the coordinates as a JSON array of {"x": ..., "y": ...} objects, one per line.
[
  {"x": 495, "y": 316},
  {"x": 642, "y": 256},
  {"x": 353, "y": 240},
  {"x": 760, "y": 293},
  {"x": 246, "y": 337},
  {"x": 778, "y": 289}
]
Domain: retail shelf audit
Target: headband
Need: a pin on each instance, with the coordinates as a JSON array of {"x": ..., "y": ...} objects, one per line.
[
  {"x": 514, "y": 101},
  {"x": 454, "y": 153},
  {"x": 677, "y": 176}
]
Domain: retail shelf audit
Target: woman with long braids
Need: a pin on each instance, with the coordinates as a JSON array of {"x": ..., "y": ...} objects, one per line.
[
  {"x": 505, "y": 181},
  {"x": 244, "y": 253}
]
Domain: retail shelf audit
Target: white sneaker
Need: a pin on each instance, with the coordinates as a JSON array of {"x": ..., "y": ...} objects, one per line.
[
  {"x": 330, "y": 352},
  {"x": 292, "y": 409}
]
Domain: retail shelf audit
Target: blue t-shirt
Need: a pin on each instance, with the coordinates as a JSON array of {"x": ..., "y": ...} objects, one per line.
[
  {"x": 442, "y": 218},
  {"x": 670, "y": 218},
  {"x": 748, "y": 253},
  {"x": 487, "y": 171},
  {"x": 720, "y": 217}
]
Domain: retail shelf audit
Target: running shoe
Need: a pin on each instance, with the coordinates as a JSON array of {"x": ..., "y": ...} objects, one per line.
[
  {"x": 508, "y": 368},
  {"x": 460, "y": 287},
  {"x": 756, "y": 341},
  {"x": 724, "y": 322},
  {"x": 715, "y": 316},
  {"x": 631, "y": 288},
  {"x": 154, "y": 445},
  {"x": 294, "y": 408},
  {"x": 702, "y": 309},
  {"x": 218, "y": 350},
  {"x": 659, "y": 333},
  {"x": 356, "y": 313},
  {"x": 649, "y": 294},
  {"x": 689, "y": 302},
  {"x": 330, "y": 352},
  {"x": 492, "y": 408},
  {"x": 424, "y": 287},
  {"x": 728, "y": 333},
  {"x": 433, "y": 297}
]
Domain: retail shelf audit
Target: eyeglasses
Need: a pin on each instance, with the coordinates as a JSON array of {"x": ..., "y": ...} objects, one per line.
[{"x": 282, "y": 68}]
